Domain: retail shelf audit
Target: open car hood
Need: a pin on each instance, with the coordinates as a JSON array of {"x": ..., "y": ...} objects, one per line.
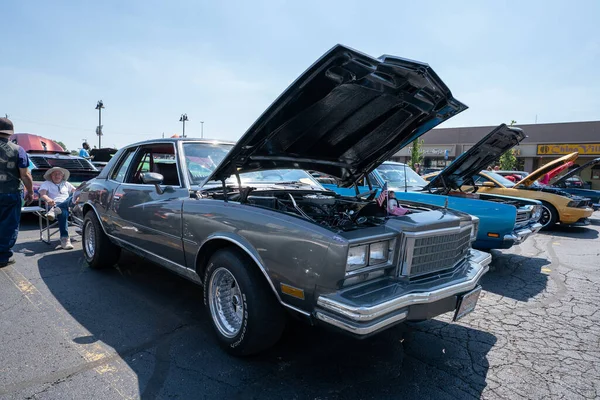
[
  {"x": 485, "y": 152},
  {"x": 538, "y": 173},
  {"x": 344, "y": 116},
  {"x": 575, "y": 171}
]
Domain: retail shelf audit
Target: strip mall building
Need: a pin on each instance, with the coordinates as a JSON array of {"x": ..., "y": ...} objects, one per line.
[{"x": 544, "y": 143}]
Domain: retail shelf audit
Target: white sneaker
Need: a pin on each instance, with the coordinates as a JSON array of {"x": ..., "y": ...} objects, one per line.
[
  {"x": 54, "y": 211},
  {"x": 65, "y": 243}
]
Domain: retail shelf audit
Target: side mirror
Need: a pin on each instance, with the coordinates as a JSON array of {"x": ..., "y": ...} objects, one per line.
[
  {"x": 488, "y": 184},
  {"x": 153, "y": 178}
]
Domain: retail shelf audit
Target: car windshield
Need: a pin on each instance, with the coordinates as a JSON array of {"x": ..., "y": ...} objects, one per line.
[
  {"x": 393, "y": 174},
  {"x": 500, "y": 179},
  {"x": 278, "y": 176},
  {"x": 272, "y": 177},
  {"x": 202, "y": 159}
]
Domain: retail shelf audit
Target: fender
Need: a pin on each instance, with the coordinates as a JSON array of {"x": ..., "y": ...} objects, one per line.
[{"x": 244, "y": 245}]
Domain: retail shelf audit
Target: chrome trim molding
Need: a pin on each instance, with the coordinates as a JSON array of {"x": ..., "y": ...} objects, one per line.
[
  {"x": 361, "y": 330},
  {"x": 362, "y": 314}
]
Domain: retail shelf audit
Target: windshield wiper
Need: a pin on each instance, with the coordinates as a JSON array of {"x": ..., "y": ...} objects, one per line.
[{"x": 289, "y": 183}]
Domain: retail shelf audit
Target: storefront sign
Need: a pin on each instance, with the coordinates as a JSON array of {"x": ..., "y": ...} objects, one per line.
[
  {"x": 430, "y": 151},
  {"x": 558, "y": 149}
]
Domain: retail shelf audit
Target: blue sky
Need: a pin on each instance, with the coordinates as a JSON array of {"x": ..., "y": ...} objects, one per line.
[{"x": 224, "y": 62}]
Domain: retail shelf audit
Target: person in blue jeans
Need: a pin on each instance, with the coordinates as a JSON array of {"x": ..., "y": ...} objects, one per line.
[
  {"x": 14, "y": 173},
  {"x": 58, "y": 193}
]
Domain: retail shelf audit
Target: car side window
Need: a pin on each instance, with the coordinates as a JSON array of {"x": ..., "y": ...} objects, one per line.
[
  {"x": 119, "y": 173},
  {"x": 159, "y": 158}
]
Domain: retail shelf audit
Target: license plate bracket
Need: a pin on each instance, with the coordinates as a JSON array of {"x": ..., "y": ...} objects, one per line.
[{"x": 467, "y": 303}]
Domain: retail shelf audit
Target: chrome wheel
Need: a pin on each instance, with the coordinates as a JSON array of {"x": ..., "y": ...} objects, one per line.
[
  {"x": 225, "y": 302},
  {"x": 546, "y": 216},
  {"x": 90, "y": 240}
]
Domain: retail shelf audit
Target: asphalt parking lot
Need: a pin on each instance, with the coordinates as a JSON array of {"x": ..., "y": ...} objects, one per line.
[{"x": 137, "y": 331}]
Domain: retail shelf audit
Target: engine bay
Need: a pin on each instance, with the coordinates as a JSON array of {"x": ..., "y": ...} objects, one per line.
[{"x": 327, "y": 209}]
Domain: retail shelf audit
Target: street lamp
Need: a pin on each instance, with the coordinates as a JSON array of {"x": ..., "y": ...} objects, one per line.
[
  {"x": 201, "y": 129},
  {"x": 183, "y": 118},
  {"x": 99, "y": 107}
]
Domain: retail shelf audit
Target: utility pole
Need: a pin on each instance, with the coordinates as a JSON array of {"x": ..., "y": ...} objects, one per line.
[
  {"x": 99, "y": 107},
  {"x": 183, "y": 118},
  {"x": 201, "y": 129}
]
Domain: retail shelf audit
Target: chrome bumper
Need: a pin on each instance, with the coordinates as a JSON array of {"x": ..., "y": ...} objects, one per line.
[
  {"x": 520, "y": 235},
  {"x": 361, "y": 317}
]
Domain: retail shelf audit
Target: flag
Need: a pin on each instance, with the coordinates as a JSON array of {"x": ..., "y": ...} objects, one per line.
[{"x": 383, "y": 195}]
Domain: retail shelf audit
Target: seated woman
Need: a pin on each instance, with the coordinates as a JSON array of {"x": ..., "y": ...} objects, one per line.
[{"x": 57, "y": 193}]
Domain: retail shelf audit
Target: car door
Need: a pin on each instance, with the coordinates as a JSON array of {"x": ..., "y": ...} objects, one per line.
[{"x": 145, "y": 217}]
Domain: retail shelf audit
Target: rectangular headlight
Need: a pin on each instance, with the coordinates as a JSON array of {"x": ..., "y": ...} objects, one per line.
[
  {"x": 379, "y": 252},
  {"x": 357, "y": 257}
]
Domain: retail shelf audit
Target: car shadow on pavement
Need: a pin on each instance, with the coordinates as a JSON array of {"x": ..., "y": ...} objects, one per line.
[
  {"x": 574, "y": 232},
  {"x": 516, "y": 276},
  {"x": 157, "y": 324}
]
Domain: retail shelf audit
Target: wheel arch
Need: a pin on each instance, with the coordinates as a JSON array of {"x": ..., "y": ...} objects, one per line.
[
  {"x": 87, "y": 207},
  {"x": 221, "y": 241}
]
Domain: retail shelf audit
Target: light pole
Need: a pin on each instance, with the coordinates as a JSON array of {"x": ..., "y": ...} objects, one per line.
[
  {"x": 99, "y": 107},
  {"x": 183, "y": 118},
  {"x": 201, "y": 129}
]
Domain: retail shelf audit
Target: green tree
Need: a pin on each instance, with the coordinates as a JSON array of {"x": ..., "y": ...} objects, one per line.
[
  {"x": 61, "y": 144},
  {"x": 508, "y": 161},
  {"x": 416, "y": 153}
]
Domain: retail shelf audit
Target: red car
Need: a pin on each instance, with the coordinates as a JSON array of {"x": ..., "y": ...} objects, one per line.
[{"x": 45, "y": 153}]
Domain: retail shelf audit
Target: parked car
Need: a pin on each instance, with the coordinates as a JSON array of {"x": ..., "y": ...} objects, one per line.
[
  {"x": 503, "y": 220},
  {"x": 563, "y": 184},
  {"x": 45, "y": 153},
  {"x": 101, "y": 157},
  {"x": 263, "y": 237},
  {"x": 573, "y": 184},
  {"x": 557, "y": 205}
]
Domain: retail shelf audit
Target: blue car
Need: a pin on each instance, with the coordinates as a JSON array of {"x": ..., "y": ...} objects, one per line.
[{"x": 503, "y": 221}]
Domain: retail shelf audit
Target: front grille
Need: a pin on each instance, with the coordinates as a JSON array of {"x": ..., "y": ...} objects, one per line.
[
  {"x": 432, "y": 251},
  {"x": 67, "y": 163},
  {"x": 523, "y": 215}
]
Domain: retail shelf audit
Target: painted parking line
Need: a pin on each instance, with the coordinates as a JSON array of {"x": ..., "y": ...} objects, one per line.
[{"x": 99, "y": 357}]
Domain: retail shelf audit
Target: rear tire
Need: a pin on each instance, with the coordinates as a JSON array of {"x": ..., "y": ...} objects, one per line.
[
  {"x": 245, "y": 314},
  {"x": 99, "y": 252},
  {"x": 549, "y": 216}
]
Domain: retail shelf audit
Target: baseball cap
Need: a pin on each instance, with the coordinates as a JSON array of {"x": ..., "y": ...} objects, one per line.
[{"x": 6, "y": 126}]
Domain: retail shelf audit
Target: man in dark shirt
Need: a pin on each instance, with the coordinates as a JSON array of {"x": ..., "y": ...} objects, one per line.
[{"x": 14, "y": 172}]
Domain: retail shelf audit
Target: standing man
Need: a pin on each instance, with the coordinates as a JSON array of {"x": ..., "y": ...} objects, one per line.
[
  {"x": 84, "y": 152},
  {"x": 14, "y": 171},
  {"x": 418, "y": 168}
]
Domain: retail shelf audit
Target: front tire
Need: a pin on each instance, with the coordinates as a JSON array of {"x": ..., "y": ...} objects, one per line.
[
  {"x": 98, "y": 250},
  {"x": 549, "y": 216},
  {"x": 244, "y": 312}
]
